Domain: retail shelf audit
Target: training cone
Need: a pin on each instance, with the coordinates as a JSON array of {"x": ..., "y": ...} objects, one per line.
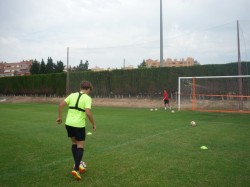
[{"x": 203, "y": 147}]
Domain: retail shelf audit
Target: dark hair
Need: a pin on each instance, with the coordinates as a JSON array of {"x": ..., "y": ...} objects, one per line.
[{"x": 84, "y": 85}]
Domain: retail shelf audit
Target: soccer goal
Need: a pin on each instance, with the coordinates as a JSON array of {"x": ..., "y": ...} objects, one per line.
[{"x": 214, "y": 93}]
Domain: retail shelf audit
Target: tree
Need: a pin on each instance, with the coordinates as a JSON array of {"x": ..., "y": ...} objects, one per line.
[
  {"x": 42, "y": 68},
  {"x": 59, "y": 67},
  {"x": 35, "y": 67},
  {"x": 143, "y": 64},
  {"x": 80, "y": 67},
  {"x": 83, "y": 66},
  {"x": 86, "y": 65},
  {"x": 74, "y": 68},
  {"x": 49, "y": 66},
  {"x": 196, "y": 63}
]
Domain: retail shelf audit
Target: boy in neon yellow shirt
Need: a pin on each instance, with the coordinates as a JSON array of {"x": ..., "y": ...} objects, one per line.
[{"x": 79, "y": 107}]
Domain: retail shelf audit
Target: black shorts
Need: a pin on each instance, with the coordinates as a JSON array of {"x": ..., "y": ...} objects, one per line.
[
  {"x": 166, "y": 101},
  {"x": 78, "y": 133}
]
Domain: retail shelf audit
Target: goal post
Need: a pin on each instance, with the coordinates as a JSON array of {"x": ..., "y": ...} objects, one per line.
[{"x": 214, "y": 93}]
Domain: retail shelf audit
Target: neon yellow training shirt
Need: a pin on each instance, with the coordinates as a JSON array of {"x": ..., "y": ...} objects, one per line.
[{"x": 76, "y": 118}]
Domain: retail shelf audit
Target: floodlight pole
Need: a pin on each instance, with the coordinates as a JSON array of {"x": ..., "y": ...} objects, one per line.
[
  {"x": 67, "y": 77},
  {"x": 239, "y": 69},
  {"x": 238, "y": 42},
  {"x": 179, "y": 93},
  {"x": 161, "y": 36}
]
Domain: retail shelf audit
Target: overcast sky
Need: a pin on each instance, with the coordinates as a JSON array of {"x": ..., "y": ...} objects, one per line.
[{"x": 108, "y": 33}]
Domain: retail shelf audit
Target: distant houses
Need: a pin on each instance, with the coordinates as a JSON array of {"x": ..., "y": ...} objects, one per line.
[
  {"x": 170, "y": 63},
  {"x": 23, "y": 68},
  {"x": 15, "y": 69}
]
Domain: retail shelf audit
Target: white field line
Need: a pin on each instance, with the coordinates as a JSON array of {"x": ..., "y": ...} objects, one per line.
[
  {"x": 42, "y": 167},
  {"x": 140, "y": 139}
]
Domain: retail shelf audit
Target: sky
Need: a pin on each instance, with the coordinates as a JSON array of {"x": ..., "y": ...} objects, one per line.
[{"x": 114, "y": 33}]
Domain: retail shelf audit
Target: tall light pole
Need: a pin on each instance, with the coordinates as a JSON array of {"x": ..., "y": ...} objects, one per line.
[
  {"x": 238, "y": 42},
  {"x": 67, "y": 78},
  {"x": 239, "y": 68},
  {"x": 161, "y": 36}
]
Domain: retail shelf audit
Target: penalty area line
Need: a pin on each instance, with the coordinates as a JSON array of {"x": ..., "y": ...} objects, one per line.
[
  {"x": 53, "y": 163},
  {"x": 139, "y": 140}
]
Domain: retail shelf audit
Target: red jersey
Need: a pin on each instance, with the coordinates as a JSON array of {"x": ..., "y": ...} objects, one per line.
[{"x": 165, "y": 96}]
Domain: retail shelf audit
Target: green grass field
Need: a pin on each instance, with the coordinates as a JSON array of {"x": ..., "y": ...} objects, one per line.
[{"x": 131, "y": 147}]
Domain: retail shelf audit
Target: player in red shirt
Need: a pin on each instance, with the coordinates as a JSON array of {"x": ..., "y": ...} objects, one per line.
[{"x": 166, "y": 100}]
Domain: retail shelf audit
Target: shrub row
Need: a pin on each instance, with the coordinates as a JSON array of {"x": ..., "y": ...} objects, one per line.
[{"x": 137, "y": 82}]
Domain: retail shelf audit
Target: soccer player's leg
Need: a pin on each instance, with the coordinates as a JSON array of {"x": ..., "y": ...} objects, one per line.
[
  {"x": 169, "y": 106},
  {"x": 76, "y": 174},
  {"x": 82, "y": 169},
  {"x": 80, "y": 138}
]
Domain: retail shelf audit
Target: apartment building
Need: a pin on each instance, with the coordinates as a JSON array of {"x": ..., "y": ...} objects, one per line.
[
  {"x": 170, "y": 63},
  {"x": 96, "y": 69},
  {"x": 15, "y": 69}
]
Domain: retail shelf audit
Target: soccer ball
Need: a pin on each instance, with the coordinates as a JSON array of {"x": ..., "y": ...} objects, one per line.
[
  {"x": 192, "y": 123},
  {"x": 172, "y": 111},
  {"x": 151, "y": 109},
  {"x": 83, "y": 164},
  {"x": 156, "y": 109},
  {"x": 82, "y": 167}
]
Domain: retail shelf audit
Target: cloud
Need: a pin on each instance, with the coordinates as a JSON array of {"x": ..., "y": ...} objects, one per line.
[{"x": 107, "y": 32}]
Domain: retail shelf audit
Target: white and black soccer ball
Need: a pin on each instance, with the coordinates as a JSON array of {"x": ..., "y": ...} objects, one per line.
[
  {"x": 193, "y": 123},
  {"x": 81, "y": 166}
]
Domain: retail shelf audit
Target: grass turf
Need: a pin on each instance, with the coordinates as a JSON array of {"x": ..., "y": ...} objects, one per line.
[{"x": 132, "y": 147}]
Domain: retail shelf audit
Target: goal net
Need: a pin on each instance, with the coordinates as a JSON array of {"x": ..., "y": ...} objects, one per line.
[{"x": 214, "y": 93}]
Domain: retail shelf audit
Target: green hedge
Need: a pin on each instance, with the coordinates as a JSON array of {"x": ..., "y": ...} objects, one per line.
[
  {"x": 149, "y": 81},
  {"x": 49, "y": 84}
]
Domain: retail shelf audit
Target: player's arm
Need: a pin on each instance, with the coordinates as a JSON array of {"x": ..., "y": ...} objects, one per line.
[
  {"x": 91, "y": 118},
  {"x": 60, "y": 109}
]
